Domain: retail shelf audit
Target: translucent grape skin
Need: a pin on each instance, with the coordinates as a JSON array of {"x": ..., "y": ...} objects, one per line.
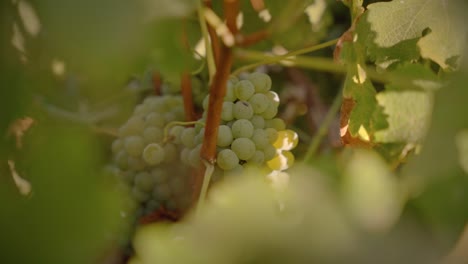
[
  {"x": 261, "y": 81},
  {"x": 244, "y": 90},
  {"x": 227, "y": 159},
  {"x": 224, "y": 136},
  {"x": 154, "y": 154},
  {"x": 244, "y": 148},
  {"x": 134, "y": 145},
  {"x": 242, "y": 110},
  {"x": 242, "y": 128},
  {"x": 188, "y": 137},
  {"x": 227, "y": 111},
  {"x": 257, "y": 121},
  {"x": 259, "y": 103},
  {"x": 260, "y": 138}
]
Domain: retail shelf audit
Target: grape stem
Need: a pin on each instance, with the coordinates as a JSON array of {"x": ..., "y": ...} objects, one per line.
[
  {"x": 186, "y": 87},
  {"x": 209, "y": 169},
  {"x": 206, "y": 38},
  {"x": 323, "y": 129},
  {"x": 217, "y": 93},
  {"x": 268, "y": 59}
]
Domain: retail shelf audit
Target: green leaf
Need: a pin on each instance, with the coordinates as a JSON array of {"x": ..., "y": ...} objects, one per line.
[
  {"x": 408, "y": 114},
  {"x": 401, "y": 20}
]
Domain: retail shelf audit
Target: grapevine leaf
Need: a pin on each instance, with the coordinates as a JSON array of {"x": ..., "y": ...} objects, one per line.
[
  {"x": 408, "y": 116},
  {"x": 397, "y": 21}
]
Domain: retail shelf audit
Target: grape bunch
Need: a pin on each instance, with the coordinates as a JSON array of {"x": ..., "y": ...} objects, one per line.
[
  {"x": 147, "y": 162},
  {"x": 249, "y": 133}
]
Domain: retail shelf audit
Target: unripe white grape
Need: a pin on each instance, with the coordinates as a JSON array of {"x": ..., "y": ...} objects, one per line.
[
  {"x": 272, "y": 134},
  {"x": 261, "y": 81},
  {"x": 170, "y": 152},
  {"x": 136, "y": 163},
  {"x": 184, "y": 156},
  {"x": 224, "y": 136},
  {"x": 257, "y": 121},
  {"x": 244, "y": 90},
  {"x": 121, "y": 159},
  {"x": 188, "y": 137},
  {"x": 153, "y": 135},
  {"x": 154, "y": 119},
  {"x": 230, "y": 95},
  {"x": 117, "y": 145},
  {"x": 139, "y": 195},
  {"x": 206, "y": 102},
  {"x": 194, "y": 157},
  {"x": 276, "y": 123},
  {"x": 134, "y": 145},
  {"x": 269, "y": 151},
  {"x": 175, "y": 133},
  {"x": 260, "y": 139},
  {"x": 271, "y": 111},
  {"x": 242, "y": 128},
  {"x": 153, "y": 154},
  {"x": 258, "y": 158},
  {"x": 243, "y": 147},
  {"x": 227, "y": 111},
  {"x": 274, "y": 98},
  {"x": 159, "y": 175},
  {"x": 259, "y": 102},
  {"x": 242, "y": 110},
  {"x": 144, "y": 181},
  {"x": 227, "y": 159}
]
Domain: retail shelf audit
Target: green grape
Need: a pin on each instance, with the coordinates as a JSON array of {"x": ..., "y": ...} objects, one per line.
[
  {"x": 236, "y": 171},
  {"x": 117, "y": 145},
  {"x": 144, "y": 181},
  {"x": 170, "y": 152},
  {"x": 133, "y": 127},
  {"x": 244, "y": 148},
  {"x": 227, "y": 111},
  {"x": 259, "y": 102},
  {"x": 258, "y": 158},
  {"x": 224, "y": 136},
  {"x": 141, "y": 110},
  {"x": 169, "y": 117},
  {"x": 162, "y": 191},
  {"x": 154, "y": 154},
  {"x": 233, "y": 79},
  {"x": 188, "y": 137},
  {"x": 269, "y": 151},
  {"x": 242, "y": 128},
  {"x": 194, "y": 157},
  {"x": 257, "y": 121},
  {"x": 271, "y": 111},
  {"x": 261, "y": 81},
  {"x": 136, "y": 163},
  {"x": 276, "y": 123},
  {"x": 199, "y": 136},
  {"x": 134, "y": 145},
  {"x": 151, "y": 206},
  {"x": 227, "y": 159},
  {"x": 260, "y": 138},
  {"x": 121, "y": 160},
  {"x": 242, "y": 110},
  {"x": 244, "y": 90},
  {"x": 175, "y": 133},
  {"x": 159, "y": 175},
  {"x": 272, "y": 134},
  {"x": 274, "y": 98},
  {"x": 154, "y": 119},
  {"x": 153, "y": 135},
  {"x": 139, "y": 195},
  {"x": 184, "y": 156}
]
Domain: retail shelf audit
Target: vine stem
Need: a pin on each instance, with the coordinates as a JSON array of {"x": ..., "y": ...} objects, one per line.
[
  {"x": 323, "y": 129},
  {"x": 217, "y": 93},
  {"x": 206, "y": 38},
  {"x": 268, "y": 59}
]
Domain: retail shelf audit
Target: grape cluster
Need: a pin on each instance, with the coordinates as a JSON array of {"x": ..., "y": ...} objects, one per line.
[
  {"x": 148, "y": 163},
  {"x": 249, "y": 133}
]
